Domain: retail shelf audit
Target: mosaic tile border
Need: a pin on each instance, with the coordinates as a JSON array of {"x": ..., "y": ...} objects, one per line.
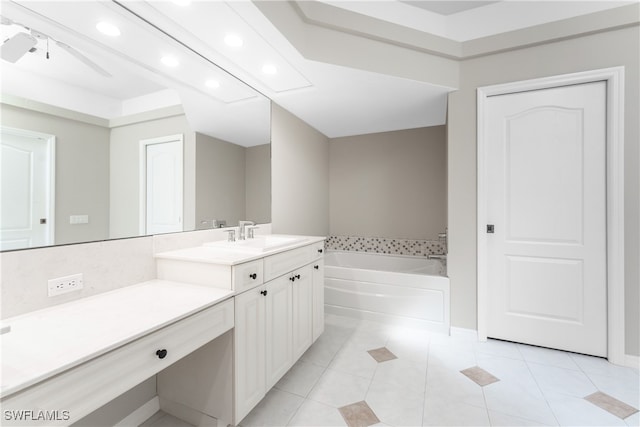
[{"x": 383, "y": 245}]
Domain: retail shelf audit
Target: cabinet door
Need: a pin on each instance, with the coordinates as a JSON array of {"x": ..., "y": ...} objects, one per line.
[
  {"x": 249, "y": 343},
  {"x": 318, "y": 298},
  {"x": 279, "y": 329},
  {"x": 302, "y": 310}
]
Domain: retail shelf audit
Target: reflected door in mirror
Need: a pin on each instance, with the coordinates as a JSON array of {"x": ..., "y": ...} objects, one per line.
[
  {"x": 163, "y": 184},
  {"x": 27, "y": 162}
]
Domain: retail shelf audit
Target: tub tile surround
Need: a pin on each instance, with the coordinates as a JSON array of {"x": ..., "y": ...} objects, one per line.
[
  {"x": 526, "y": 393},
  {"x": 384, "y": 245}
]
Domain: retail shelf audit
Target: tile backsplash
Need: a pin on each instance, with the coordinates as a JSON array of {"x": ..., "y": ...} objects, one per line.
[
  {"x": 384, "y": 245},
  {"x": 105, "y": 266}
]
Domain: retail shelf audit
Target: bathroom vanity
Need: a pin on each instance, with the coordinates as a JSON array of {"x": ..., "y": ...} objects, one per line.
[
  {"x": 60, "y": 364},
  {"x": 279, "y": 313},
  {"x": 219, "y": 327}
]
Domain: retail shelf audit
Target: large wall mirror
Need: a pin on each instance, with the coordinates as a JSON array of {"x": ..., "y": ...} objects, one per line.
[{"x": 109, "y": 136}]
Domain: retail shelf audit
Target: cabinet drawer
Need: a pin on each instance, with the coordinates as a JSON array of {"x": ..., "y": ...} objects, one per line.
[
  {"x": 86, "y": 387},
  {"x": 317, "y": 250},
  {"x": 282, "y": 263},
  {"x": 247, "y": 275}
]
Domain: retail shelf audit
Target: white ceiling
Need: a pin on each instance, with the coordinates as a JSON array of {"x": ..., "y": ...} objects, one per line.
[
  {"x": 469, "y": 20},
  {"x": 336, "y": 100},
  {"x": 448, "y": 7}
]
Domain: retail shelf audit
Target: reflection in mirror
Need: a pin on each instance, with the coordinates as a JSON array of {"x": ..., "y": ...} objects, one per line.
[{"x": 106, "y": 149}]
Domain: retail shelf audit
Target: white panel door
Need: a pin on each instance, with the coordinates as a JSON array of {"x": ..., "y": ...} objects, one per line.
[
  {"x": 279, "y": 309},
  {"x": 164, "y": 187},
  {"x": 26, "y": 217},
  {"x": 546, "y": 181}
]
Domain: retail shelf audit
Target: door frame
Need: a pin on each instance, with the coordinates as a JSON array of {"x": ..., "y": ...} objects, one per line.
[
  {"x": 50, "y": 141},
  {"x": 142, "y": 194},
  {"x": 614, "y": 78}
]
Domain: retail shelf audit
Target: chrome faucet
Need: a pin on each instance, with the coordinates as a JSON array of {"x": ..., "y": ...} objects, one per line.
[
  {"x": 445, "y": 237},
  {"x": 242, "y": 225},
  {"x": 231, "y": 235},
  {"x": 250, "y": 231}
]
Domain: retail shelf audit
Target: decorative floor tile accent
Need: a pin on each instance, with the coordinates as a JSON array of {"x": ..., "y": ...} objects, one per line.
[
  {"x": 479, "y": 376},
  {"x": 358, "y": 414},
  {"x": 382, "y": 354},
  {"x": 611, "y": 404}
]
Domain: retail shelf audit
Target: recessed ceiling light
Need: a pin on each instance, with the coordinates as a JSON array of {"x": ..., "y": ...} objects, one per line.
[
  {"x": 213, "y": 84},
  {"x": 108, "y": 29},
  {"x": 233, "y": 40},
  {"x": 269, "y": 69},
  {"x": 170, "y": 61},
  {"x": 182, "y": 2}
]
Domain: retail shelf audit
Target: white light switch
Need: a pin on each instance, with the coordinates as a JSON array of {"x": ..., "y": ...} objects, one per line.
[{"x": 79, "y": 219}]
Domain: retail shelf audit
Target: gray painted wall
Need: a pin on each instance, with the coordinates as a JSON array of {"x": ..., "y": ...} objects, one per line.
[
  {"x": 391, "y": 184},
  {"x": 596, "y": 51},
  {"x": 300, "y": 176},
  {"x": 82, "y": 171},
  {"x": 125, "y": 167},
  {"x": 258, "y": 181},
  {"x": 220, "y": 180}
]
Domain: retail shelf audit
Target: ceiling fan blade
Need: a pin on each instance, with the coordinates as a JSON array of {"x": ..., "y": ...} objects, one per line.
[
  {"x": 17, "y": 46},
  {"x": 83, "y": 59},
  {"x": 5, "y": 21}
]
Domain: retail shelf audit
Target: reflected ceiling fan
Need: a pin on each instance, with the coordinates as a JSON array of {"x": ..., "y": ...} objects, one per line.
[{"x": 21, "y": 43}]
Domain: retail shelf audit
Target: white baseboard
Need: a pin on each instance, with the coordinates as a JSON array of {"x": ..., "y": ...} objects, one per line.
[
  {"x": 464, "y": 332},
  {"x": 141, "y": 414},
  {"x": 632, "y": 361},
  {"x": 189, "y": 415}
]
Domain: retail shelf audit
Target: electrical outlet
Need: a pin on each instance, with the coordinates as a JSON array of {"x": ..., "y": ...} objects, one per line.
[{"x": 65, "y": 284}]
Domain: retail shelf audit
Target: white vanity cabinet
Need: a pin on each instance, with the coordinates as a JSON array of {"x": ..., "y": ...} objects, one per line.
[
  {"x": 318, "y": 298},
  {"x": 249, "y": 349},
  {"x": 121, "y": 342},
  {"x": 277, "y": 317},
  {"x": 279, "y": 322},
  {"x": 262, "y": 349},
  {"x": 279, "y": 313},
  {"x": 302, "y": 310}
]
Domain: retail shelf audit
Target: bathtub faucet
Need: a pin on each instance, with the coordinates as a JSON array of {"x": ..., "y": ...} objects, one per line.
[
  {"x": 437, "y": 256},
  {"x": 444, "y": 237}
]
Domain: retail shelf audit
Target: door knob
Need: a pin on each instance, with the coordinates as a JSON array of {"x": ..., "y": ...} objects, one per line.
[
  {"x": 253, "y": 276},
  {"x": 161, "y": 353},
  {"x": 264, "y": 293}
]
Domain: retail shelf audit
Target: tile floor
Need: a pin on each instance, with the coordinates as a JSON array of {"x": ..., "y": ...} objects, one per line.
[{"x": 338, "y": 382}]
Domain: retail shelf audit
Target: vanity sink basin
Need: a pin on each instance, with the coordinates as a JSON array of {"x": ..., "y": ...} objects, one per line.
[{"x": 258, "y": 244}]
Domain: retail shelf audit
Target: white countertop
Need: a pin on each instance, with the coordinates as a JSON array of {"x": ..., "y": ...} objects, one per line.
[
  {"x": 46, "y": 342},
  {"x": 219, "y": 255}
]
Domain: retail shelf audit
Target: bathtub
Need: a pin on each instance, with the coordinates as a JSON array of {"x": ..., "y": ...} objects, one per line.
[{"x": 395, "y": 289}]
